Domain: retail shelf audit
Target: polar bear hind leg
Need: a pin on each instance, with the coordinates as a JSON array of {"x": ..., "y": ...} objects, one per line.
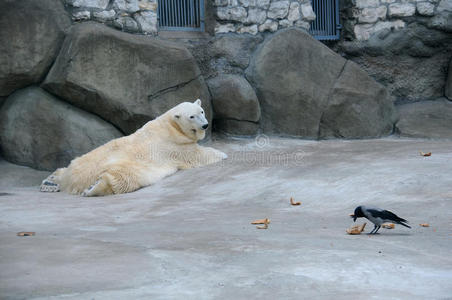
[{"x": 51, "y": 183}]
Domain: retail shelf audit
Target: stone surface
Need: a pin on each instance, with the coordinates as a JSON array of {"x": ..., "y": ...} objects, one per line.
[
  {"x": 366, "y": 3},
  {"x": 101, "y": 4},
  {"x": 307, "y": 90},
  {"x": 126, "y": 79},
  {"x": 358, "y": 107},
  {"x": 147, "y": 20},
  {"x": 365, "y": 31},
  {"x": 445, "y": 6},
  {"x": 81, "y": 15},
  {"x": 233, "y": 98},
  {"x": 236, "y": 127},
  {"x": 256, "y": 15},
  {"x": 448, "y": 85},
  {"x": 232, "y": 13},
  {"x": 188, "y": 236},
  {"x": 31, "y": 33},
  {"x": 402, "y": 60},
  {"x": 307, "y": 12},
  {"x": 42, "y": 132},
  {"x": 105, "y": 15},
  {"x": 235, "y": 48},
  {"x": 425, "y": 8},
  {"x": 278, "y": 9},
  {"x": 224, "y": 28},
  {"x": 292, "y": 74},
  {"x": 126, "y": 23},
  {"x": 268, "y": 25},
  {"x": 401, "y": 9},
  {"x": 426, "y": 119},
  {"x": 248, "y": 29},
  {"x": 129, "y": 6},
  {"x": 294, "y": 12}
]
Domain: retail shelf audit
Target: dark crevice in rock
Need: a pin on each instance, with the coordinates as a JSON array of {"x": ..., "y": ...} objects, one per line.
[
  {"x": 171, "y": 88},
  {"x": 321, "y": 121}
]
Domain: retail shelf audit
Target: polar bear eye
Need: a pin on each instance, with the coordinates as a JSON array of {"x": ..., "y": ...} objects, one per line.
[
  {"x": 202, "y": 112},
  {"x": 191, "y": 117}
]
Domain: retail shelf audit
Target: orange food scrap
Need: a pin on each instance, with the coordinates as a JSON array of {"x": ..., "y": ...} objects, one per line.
[
  {"x": 261, "y": 221},
  {"x": 424, "y": 225},
  {"x": 294, "y": 203},
  {"x": 388, "y": 225},
  {"x": 357, "y": 229},
  {"x": 425, "y": 154},
  {"x": 265, "y": 221},
  {"x": 26, "y": 233}
]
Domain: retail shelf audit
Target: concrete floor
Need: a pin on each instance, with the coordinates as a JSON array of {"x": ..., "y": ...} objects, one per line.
[{"x": 189, "y": 236}]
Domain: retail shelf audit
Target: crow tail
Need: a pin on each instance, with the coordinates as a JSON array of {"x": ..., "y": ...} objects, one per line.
[{"x": 404, "y": 224}]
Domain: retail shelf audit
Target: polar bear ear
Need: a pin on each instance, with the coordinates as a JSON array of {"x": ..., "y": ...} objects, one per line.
[
  {"x": 176, "y": 116},
  {"x": 198, "y": 102}
]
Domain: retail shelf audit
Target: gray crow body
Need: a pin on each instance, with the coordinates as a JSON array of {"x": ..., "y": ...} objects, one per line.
[{"x": 378, "y": 216}]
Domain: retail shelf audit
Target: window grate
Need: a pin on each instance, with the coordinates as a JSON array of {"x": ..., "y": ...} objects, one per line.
[
  {"x": 181, "y": 15},
  {"x": 326, "y": 25}
]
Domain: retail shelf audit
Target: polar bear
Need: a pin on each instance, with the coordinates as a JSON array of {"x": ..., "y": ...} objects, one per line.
[{"x": 158, "y": 149}]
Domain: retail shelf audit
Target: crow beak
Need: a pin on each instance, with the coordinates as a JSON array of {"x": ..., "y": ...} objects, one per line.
[{"x": 354, "y": 218}]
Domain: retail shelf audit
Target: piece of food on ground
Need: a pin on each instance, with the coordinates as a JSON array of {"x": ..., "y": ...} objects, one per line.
[
  {"x": 294, "y": 203},
  {"x": 356, "y": 229},
  {"x": 388, "y": 225}
]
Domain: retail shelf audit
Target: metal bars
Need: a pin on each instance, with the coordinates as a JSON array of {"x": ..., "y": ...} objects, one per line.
[
  {"x": 326, "y": 25},
  {"x": 182, "y": 15}
]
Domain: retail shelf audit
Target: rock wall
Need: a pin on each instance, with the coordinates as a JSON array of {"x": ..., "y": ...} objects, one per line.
[
  {"x": 253, "y": 16},
  {"x": 369, "y": 17},
  {"x": 403, "y": 44},
  {"x": 137, "y": 16},
  {"x": 241, "y": 16}
]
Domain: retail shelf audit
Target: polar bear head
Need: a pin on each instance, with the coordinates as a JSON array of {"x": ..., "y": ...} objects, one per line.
[{"x": 191, "y": 119}]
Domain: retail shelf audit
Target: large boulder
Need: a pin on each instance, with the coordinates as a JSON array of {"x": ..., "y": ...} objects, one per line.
[
  {"x": 426, "y": 119},
  {"x": 235, "y": 104},
  {"x": 358, "y": 107},
  {"x": 31, "y": 33},
  {"x": 448, "y": 87},
  {"x": 297, "y": 79},
  {"x": 42, "y": 132},
  {"x": 125, "y": 79}
]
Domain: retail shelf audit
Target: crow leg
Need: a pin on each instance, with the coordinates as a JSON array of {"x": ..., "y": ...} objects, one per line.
[
  {"x": 378, "y": 228},
  {"x": 375, "y": 227}
]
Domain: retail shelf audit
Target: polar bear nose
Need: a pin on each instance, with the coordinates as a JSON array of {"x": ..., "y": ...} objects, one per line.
[{"x": 205, "y": 126}]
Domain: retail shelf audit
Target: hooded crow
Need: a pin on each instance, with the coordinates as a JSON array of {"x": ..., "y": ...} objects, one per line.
[{"x": 377, "y": 216}]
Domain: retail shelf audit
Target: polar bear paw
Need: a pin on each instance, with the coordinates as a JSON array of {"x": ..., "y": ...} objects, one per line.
[{"x": 48, "y": 185}]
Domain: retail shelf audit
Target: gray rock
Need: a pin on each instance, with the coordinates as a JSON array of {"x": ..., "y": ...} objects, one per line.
[
  {"x": 292, "y": 74},
  {"x": 233, "y": 98},
  {"x": 278, "y": 9},
  {"x": 31, "y": 33},
  {"x": 129, "y": 6},
  {"x": 101, "y": 4},
  {"x": 236, "y": 48},
  {"x": 427, "y": 119},
  {"x": 307, "y": 90},
  {"x": 236, "y": 127},
  {"x": 42, "y": 132},
  {"x": 126, "y": 79},
  {"x": 105, "y": 15},
  {"x": 448, "y": 87},
  {"x": 147, "y": 21},
  {"x": 126, "y": 23},
  {"x": 358, "y": 107}
]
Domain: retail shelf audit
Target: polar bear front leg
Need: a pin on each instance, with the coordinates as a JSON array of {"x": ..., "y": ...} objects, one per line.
[{"x": 209, "y": 156}]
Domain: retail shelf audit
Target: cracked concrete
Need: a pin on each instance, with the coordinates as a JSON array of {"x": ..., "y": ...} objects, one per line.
[{"x": 189, "y": 236}]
